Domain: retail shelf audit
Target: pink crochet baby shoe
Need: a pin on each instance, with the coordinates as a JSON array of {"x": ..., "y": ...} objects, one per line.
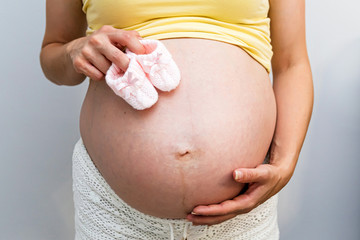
[
  {"x": 132, "y": 85},
  {"x": 158, "y": 64}
]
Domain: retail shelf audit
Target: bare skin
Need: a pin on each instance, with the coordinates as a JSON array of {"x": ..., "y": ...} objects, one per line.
[
  {"x": 293, "y": 88},
  {"x": 181, "y": 152},
  {"x": 68, "y": 56}
]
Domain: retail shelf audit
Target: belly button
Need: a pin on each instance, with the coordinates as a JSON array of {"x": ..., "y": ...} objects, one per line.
[
  {"x": 183, "y": 155},
  {"x": 185, "y": 152}
]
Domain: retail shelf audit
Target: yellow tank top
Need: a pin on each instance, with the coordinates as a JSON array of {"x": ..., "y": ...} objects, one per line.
[{"x": 244, "y": 23}]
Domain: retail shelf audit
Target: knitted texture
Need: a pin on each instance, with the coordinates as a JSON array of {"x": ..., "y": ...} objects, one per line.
[
  {"x": 158, "y": 64},
  {"x": 132, "y": 85},
  {"x": 101, "y": 215},
  {"x": 155, "y": 67}
]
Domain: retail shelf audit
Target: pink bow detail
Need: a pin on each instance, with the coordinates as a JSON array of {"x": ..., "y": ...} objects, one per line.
[
  {"x": 130, "y": 85},
  {"x": 155, "y": 64}
]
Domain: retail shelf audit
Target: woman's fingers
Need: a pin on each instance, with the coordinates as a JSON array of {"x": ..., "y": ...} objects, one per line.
[
  {"x": 96, "y": 58},
  {"x": 83, "y": 66},
  {"x": 94, "y": 54},
  {"x": 261, "y": 173},
  {"x": 116, "y": 56},
  {"x": 130, "y": 39},
  {"x": 223, "y": 208},
  {"x": 101, "y": 44},
  {"x": 217, "y": 213},
  {"x": 263, "y": 181},
  {"x": 240, "y": 204}
]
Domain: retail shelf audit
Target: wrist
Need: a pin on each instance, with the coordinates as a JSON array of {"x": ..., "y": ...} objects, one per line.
[{"x": 285, "y": 161}]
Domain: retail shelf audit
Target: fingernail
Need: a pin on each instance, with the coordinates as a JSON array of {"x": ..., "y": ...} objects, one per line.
[{"x": 238, "y": 175}]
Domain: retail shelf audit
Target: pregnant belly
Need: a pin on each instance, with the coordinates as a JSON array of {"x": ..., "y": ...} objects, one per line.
[{"x": 181, "y": 152}]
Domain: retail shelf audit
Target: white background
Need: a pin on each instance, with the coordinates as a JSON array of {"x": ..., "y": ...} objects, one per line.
[{"x": 39, "y": 127}]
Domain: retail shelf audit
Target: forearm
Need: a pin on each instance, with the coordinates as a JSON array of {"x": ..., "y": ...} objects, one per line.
[
  {"x": 57, "y": 64},
  {"x": 293, "y": 88}
]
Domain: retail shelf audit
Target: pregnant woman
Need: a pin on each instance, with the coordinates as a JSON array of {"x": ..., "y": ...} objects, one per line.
[{"x": 192, "y": 165}]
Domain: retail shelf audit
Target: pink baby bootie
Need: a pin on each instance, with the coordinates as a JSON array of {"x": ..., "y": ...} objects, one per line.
[
  {"x": 132, "y": 85},
  {"x": 158, "y": 64}
]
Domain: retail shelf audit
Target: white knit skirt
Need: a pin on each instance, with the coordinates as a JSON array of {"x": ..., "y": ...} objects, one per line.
[{"x": 101, "y": 215}]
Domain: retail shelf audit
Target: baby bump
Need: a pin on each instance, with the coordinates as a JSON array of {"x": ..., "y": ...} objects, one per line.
[{"x": 181, "y": 152}]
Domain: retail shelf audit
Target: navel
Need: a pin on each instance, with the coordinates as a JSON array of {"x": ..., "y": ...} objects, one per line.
[{"x": 184, "y": 155}]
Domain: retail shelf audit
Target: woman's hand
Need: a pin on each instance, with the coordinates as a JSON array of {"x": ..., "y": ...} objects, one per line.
[
  {"x": 67, "y": 56},
  {"x": 93, "y": 55},
  {"x": 264, "y": 181}
]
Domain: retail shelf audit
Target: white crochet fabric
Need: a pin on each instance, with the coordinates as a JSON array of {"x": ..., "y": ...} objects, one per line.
[{"x": 101, "y": 215}]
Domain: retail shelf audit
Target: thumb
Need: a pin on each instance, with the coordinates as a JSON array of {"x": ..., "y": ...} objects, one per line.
[{"x": 250, "y": 175}]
